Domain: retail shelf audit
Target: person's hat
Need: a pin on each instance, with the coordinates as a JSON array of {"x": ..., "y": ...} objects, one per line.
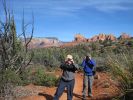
[{"x": 69, "y": 57}]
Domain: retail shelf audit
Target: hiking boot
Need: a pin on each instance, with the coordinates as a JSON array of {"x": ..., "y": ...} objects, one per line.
[
  {"x": 90, "y": 95},
  {"x": 84, "y": 97}
]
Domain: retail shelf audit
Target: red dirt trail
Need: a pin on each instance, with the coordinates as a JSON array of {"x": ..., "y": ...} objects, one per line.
[{"x": 103, "y": 89}]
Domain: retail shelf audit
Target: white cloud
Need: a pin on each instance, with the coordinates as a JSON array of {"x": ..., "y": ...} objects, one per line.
[
  {"x": 112, "y": 5},
  {"x": 69, "y": 7}
]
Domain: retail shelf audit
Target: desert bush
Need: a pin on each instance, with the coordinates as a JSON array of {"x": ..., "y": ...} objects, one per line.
[
  {"x": 26, "y": 77},
  {"x": 54, "y": 56},
  {"x": 47, "y": 56},
  {"x": 101, "y": 64},
  {"x": 14, "y": 55},
  {"x": 41, "y": 78},
  {"x": 8, "y": 79},
  {"x": 36, "y": 74},
  {"x": 121, "y": 66},
  {"x": 51, "y": 80},
  {"x": 9, "y": 76}
]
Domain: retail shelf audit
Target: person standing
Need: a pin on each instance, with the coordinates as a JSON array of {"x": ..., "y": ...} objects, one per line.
[
  {"x": 88, "y": 65},
  {"x": 67, "y": 79}
]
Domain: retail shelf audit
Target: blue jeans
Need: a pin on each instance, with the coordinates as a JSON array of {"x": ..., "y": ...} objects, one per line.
[
  {"x": 87, "y": 82},
  {"x": 69, "y": 85}
]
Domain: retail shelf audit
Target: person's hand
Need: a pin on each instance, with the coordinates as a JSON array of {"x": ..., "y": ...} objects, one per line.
[
  {"x": 89, "y": 58},
  {"x": 72, "y": 61}
]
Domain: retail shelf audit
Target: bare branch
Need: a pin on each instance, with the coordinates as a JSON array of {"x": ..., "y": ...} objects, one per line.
[{"x": 12, "y": 49}]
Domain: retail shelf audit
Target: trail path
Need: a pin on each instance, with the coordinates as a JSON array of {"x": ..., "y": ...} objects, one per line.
[{"x": 103, "y": 89}]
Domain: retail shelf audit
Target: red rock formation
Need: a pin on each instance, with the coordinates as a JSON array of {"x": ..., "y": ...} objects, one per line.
[
  {"x": 124, "y": 36},
  {"x": 95, "y": 38},
  {"x": 50, "y": 42},
  {"x": 111, "y": 37},
  {"x": 43, "y": 42},
  {"x": 103, "y": 37},
  {"x": 79, "y": 38}
]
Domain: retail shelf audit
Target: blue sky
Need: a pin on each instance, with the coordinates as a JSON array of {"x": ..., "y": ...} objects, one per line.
[{"x": 64, "y": 18}]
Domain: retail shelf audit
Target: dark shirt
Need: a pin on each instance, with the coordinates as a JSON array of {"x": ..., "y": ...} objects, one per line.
[{"x": 68, "y": 71}]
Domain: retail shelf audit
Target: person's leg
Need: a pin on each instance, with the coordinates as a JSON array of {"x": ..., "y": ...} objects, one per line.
[
  {"x": 59, "y": 90},
  {"x": 85, "y": 83},
  {"x": 70, "y": 88},
  {"x": 90, "y": 84}
]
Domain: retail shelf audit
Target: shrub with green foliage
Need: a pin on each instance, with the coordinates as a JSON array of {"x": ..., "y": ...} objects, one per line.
[
  {"x": 38, "y": 76},
  {"x": 8, "y": 79},
  {"x": 121, "y": 66},
  {"x": 41, "y": 78},
  {"x": 14, "y": 55},
  {"x": 9, "y": 76},
  {"x": 52, "y": 57}
]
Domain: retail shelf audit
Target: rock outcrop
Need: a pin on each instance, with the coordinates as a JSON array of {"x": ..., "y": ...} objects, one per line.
[
  {"x": 124, "y": 36},
  {"x": 44, "y": 42},
  {"x": 50, "y": 42},
  {"x": 100, "y": 37},
  {"x": 79, "y": 38},
  {"x": 103, "y": 37}
]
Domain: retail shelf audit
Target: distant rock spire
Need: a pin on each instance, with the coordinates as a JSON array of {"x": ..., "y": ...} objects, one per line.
[{"x": 79, "y": 38}]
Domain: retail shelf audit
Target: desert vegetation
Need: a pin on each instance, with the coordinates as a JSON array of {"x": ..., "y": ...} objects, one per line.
[
  {"x": 15, "y": 56},
  {"x": 121, "y": 66},
  {"x": 21, "y": 66}
]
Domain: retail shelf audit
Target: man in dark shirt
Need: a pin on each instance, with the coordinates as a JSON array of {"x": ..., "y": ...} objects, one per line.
[{"x": 67, "y": 79}]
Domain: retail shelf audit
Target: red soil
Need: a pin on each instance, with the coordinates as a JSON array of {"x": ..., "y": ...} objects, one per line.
[{"x": 100, "y": 90}]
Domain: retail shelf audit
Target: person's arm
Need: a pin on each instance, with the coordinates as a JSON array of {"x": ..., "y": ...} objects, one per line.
[
  {"x": 76, "y": 66},
  {"x": 61, "y": 66},
  {"x": 83, "y": 63},
  {"x": 65, "y": 66},
  {"x": 92, "y": 62}
]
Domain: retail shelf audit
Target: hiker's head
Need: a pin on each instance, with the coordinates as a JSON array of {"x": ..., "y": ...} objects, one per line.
[
  {"x": 88, "y": 56},
  {"x": 69, "y": 59}
]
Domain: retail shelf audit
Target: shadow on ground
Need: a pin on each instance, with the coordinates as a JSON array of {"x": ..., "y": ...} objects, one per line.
[
  {"x": 47, "y": 96},
  {"x": 79, "y": 97}
]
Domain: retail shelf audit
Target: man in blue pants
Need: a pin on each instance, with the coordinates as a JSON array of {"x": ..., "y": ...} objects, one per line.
[
  {"x": 88, "y": 65},
  {"x": 67, "y": 79}
]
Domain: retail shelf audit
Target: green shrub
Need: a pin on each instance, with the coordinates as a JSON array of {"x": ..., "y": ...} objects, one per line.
[
  {"x": 40, "y": 78},
  {"x": 9, "y": 76},
  {"x": 51, "y": 80},
  {"x": 26, "y": 77},
  {"x": 36, "y": 74},
  {"x": 122, "y": 69}
]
